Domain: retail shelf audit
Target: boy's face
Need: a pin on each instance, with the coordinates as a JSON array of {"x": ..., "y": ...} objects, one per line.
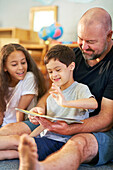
[{"x": 60, "y": 74}]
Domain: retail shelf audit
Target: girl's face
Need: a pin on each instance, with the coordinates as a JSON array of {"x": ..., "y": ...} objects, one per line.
[{"x": 16, "y": 65}]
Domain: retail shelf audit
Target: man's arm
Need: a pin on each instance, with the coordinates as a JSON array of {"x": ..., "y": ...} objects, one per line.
[{"x": 99, "y": 123}]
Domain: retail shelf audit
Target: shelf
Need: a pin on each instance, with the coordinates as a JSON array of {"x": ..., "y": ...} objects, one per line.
[{"x": 21, "y": 34}]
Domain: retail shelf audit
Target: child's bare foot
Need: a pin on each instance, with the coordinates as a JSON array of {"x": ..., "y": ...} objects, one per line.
[{"x": 28, "y": 153}]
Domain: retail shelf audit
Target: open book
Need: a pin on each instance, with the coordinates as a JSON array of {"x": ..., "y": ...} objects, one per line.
[{"x": 68, "y": 120}]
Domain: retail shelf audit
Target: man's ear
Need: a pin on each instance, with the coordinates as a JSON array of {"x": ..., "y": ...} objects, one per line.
[
  {"x": 72, "y": 66},
  {"x": 109, "y": 36}
]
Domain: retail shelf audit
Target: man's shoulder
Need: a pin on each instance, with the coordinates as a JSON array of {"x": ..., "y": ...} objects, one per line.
[
  {"x": 107, "y": 61},
  {"x": 78, "y": 54},
  {"x": 77, "y": 50},
  {"x": 110, "y": 54}
]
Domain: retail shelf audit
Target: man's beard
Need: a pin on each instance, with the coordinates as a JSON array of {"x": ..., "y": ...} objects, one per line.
[{"x": 93, "y": 56}]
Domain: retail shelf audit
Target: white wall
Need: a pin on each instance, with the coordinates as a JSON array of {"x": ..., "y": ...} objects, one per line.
[{"x": 15, "y": 13}]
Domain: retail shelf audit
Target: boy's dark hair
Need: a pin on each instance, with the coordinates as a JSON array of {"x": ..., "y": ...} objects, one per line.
[{"x": 62, "y": 53}]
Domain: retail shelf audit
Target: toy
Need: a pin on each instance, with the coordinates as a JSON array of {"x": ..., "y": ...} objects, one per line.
[{"x": 53, "y": 31}]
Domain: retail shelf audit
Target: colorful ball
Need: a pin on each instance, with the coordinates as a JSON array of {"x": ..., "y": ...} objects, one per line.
[
  {"x": 55, "y": 31},
  {"x": 43, "y": 33}
]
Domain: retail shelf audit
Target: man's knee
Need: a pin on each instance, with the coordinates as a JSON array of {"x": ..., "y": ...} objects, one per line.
[
  {"x": 86, "y": 145},
  {"x": 79, "y": 141}
]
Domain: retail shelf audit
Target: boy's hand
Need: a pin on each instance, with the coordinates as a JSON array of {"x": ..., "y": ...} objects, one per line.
[
  {"x": 35, "y": 119},
  {"x": 57, "y": 95}
]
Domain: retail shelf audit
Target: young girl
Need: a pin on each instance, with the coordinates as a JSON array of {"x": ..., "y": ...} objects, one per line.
[{"x": 21, "y": 83}]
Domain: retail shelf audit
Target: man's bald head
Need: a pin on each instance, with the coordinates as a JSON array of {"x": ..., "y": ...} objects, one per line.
[
  {"x": 98, "y": 16},
  {"x": 95, "y": 33}
]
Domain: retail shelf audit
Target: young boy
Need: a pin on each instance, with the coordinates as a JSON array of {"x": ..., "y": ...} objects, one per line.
[{"x": 68, "y": 99}]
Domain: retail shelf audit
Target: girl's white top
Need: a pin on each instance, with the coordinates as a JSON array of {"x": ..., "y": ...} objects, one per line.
[{"x": 24, "y": 87}]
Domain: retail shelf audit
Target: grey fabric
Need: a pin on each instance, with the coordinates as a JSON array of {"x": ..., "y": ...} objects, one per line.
[
  {"x": 104, "y": 167},
  {"x": 14, "y": 165},
  {"x": 9, "y": 164}
]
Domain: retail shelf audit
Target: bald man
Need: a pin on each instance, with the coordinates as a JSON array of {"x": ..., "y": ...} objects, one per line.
[{"x": 92, "y": 141}]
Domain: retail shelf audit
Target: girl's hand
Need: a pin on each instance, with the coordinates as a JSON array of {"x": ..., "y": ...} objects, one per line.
[{"x": 57, "y": 95}]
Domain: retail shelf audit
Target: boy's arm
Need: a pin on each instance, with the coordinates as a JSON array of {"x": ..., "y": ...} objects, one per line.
[
  {"x": 40, "y": 108},
  {"x": 85, "y": 103},
  {"x": 88, "y": 103}
]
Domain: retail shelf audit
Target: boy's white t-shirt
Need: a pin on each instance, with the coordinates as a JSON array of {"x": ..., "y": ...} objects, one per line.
[
  {"x": 74, "y": 92},
  {"x": 24, "y": 87}
]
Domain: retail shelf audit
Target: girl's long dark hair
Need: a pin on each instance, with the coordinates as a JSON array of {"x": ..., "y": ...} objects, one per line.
[{"x": 5, "y": 77}]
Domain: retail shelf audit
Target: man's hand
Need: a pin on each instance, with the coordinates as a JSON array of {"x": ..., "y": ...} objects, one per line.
[{"x": 59, "y": 127}]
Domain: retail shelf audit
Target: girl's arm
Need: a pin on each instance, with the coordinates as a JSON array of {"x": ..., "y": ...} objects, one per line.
[
  {"x": 37, "y": 131},
  {"x": 24, "y": 102}
]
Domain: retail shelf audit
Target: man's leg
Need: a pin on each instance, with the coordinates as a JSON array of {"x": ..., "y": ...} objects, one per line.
[
  {"x": 17, "y": 128},
  {"x": 79, "y": 149}
]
